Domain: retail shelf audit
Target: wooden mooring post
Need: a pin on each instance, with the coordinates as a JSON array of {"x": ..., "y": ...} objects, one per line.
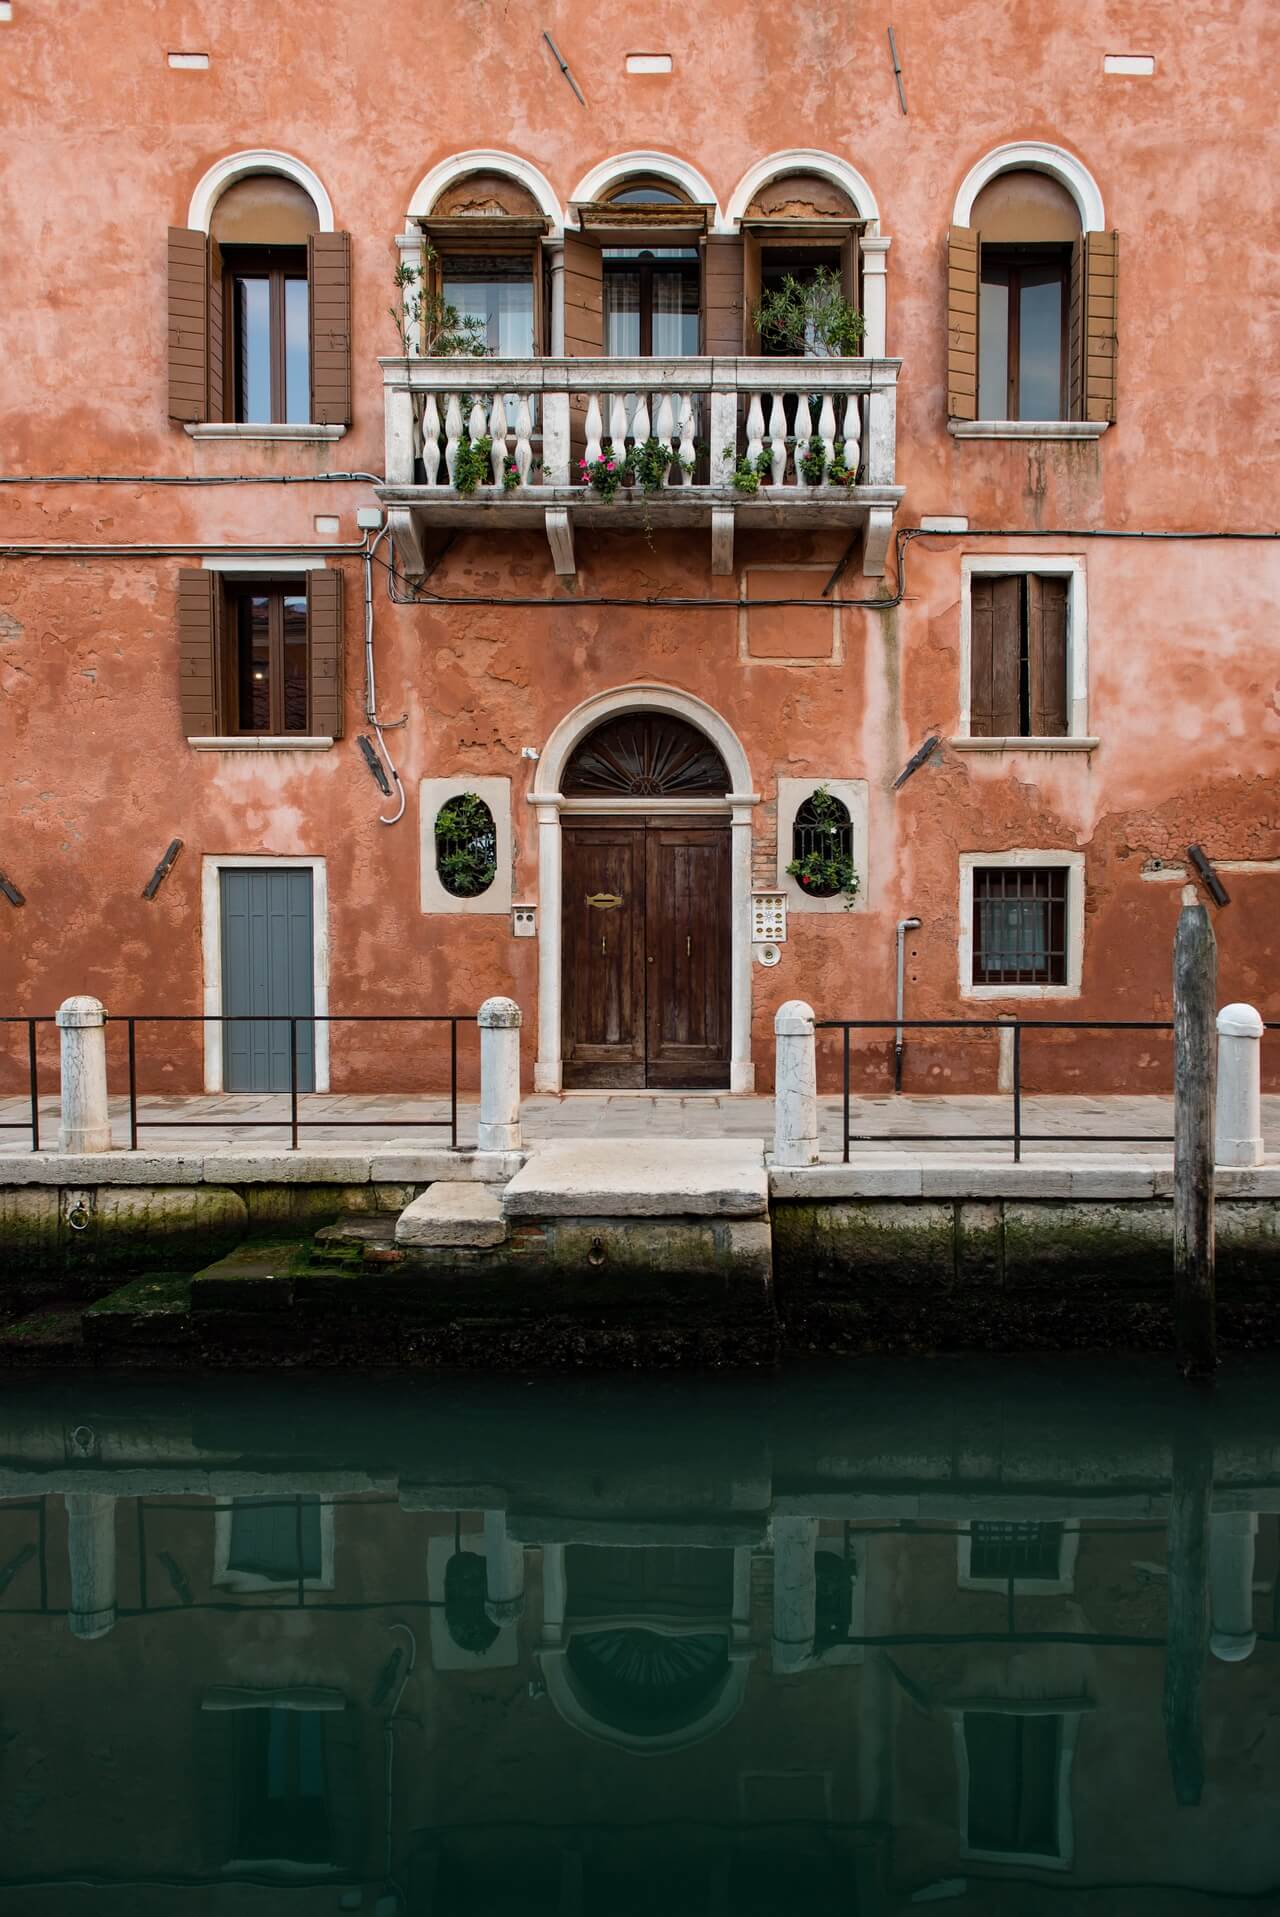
[
  {"x": 1187, "y": 1641},
  {"x": 1195, "y": 991}
]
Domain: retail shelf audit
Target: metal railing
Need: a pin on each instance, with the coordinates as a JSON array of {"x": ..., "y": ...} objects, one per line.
[
  {"x": 1017, "y": 1135},
  {"x": 31, "y": 1123},
  {"x": 295, "y": 1122}
]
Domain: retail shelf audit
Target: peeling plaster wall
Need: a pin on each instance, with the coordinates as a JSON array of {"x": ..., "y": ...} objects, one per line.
[{"x": 104, "y": 141}]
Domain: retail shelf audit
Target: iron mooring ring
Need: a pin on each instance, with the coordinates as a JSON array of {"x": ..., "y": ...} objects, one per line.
[
  {"x": 78, "y": 1218},
  {"x": 595, "y": 1255}
]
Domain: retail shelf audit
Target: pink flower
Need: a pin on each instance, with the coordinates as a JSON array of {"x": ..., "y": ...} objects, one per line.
[{"x": 609, "y": 467}]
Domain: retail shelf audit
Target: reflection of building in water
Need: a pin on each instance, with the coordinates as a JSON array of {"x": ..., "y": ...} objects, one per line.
[{"x": 757, "y": 1695}]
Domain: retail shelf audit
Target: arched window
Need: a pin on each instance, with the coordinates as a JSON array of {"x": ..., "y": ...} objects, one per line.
[
  {"x": 646, "y": 755},
  {"x": 261, "y": 229},
  {"x": 639, "y": 233},
  {"x": 822, "y": 847},
  {"x": 485, "y": 232},
  {"x": 466, "y": 846}
]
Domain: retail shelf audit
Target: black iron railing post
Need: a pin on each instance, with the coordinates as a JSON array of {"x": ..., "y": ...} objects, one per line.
[
  {"x": 34, "y": 1088},
  {"x": 453, "y": 1083},
  {"x": 845, "y": 1120},
  {"x": 293, "y": 1083},
  {"x": 133, "y": 1084},
  {"x": 1017, "y": 1091}
]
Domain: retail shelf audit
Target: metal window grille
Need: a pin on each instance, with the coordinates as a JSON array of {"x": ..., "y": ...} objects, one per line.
[
  {"x": 1027, "y": 1549},
  {"x": 1020, "y": 925},
  {"x": 824, "y": 826}
]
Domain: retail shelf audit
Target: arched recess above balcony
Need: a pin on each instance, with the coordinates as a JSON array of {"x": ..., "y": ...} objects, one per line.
[
  {"x": 611, "y": 176},
  {"x": 801, "y": 160},
  {"x": 479, "y": 162},
  {"x": 256, "y": 160},
  {"x": 1036, "y": 156}
]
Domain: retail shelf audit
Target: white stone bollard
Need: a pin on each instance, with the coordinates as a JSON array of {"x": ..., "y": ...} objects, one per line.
[
  {"x": 85, "y": 1123},
  {"x": 499, "y": 1127},
  {"x": 1238, "y": 1127},
  {"x": 795, "y": 1098},
  {"x": 1231, "y": 1552},
  {"x": 91, "y": 1558},
  {"x": 503, "y": 1571},
  {"x": 795, "y": 1592}
]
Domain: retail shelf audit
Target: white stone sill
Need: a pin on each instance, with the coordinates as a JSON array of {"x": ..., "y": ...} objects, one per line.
[
  {"x": 248, "y": 429},
  {"x": 1016, "y": 743},
  {"x": 1022, "y": 428},
  {"x": 261, "y": 742}
]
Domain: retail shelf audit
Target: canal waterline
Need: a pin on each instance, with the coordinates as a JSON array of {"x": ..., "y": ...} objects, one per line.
[{"x": 851, "y": 1638}]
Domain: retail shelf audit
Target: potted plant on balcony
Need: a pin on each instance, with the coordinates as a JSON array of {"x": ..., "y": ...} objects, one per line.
[
  {"x": 810, "y": 318},
  {"x": 431, "y": 327}
]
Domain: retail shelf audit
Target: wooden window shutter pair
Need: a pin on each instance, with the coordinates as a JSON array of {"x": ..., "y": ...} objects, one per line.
[
  {"x": 1001, "y": 704},
  {"x": 197, "y": 347},
  {"x": 204, "y": 660},
  {"x": 1093, "y": 311}
]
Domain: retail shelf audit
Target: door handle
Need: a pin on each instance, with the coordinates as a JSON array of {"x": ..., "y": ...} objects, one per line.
[
  {"x": 603, "y": 946},
  {"x": 688, "y": 946}
]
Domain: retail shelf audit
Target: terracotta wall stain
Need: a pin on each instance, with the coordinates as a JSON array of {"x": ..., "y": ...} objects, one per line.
[{"x": 96, "y": 777}]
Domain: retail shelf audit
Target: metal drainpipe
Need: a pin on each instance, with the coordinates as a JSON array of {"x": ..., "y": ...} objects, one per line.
[{"x": 904, "y": 926}]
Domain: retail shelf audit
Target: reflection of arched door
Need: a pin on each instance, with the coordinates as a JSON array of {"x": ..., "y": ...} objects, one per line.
[{"x": 646, "y": 907}]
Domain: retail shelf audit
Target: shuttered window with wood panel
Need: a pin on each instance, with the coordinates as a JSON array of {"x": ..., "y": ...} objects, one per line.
[
  {"x": 199, "y": 651},
  {"x": 329, "y": 279},
  {"x": 583, "y": 298},
  {"x": 260, "y": 657},
  {"x": 1095, "y": 262},
  {"x": 962, "y": 323},
  {"x": 324, "y": 639},
  {"x": 190, "y": 289},
  {"x": 1018, "y": 656},
  {"x": 722, "y": 301}
]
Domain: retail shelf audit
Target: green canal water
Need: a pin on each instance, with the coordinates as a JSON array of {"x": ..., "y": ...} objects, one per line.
[{"x": 997, "y": 1636}]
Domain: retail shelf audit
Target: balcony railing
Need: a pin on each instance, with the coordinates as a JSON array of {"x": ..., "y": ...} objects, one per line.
[{"x": 792, "y": 419}]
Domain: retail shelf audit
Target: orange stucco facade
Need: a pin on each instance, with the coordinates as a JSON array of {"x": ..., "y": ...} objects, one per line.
[{"x": 105, "y": 143}]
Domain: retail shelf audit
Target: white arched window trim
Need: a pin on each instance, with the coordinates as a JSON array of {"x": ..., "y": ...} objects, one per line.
[
  {"x": 1039, "y": 156},
  {"x": 238, "y": 166},
  {"x": 486, "y": 160},
  {"x": 612, "y": 172},
  {"x": 827, "y": 166}
]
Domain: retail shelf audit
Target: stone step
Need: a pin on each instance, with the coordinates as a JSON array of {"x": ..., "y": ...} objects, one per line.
[
  {"x": 451, "y": 1214},
  {"x": 256, "y": 1277},
  {"x": 642, "y": 1178}
]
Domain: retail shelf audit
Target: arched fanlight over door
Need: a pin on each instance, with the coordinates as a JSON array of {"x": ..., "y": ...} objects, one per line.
[{"x": 646, "y": 755}]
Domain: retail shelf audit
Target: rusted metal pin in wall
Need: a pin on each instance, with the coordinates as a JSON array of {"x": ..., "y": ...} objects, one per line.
[
  {"x": 897, "y": 70},
  {"x": 1195, "y": 985}
]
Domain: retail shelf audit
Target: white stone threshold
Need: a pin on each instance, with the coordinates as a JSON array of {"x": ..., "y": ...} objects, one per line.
[
  {"x": 1023, "y": 428},
  {"x": 297, "y": 432},
  {"x": 1014, "y": 742},
  {"x": 262, "y": 742}
]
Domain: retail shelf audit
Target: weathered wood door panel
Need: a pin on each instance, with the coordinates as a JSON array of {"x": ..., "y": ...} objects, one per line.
[
  {"x": 645, "y": 980},
  {"x": 602, "y": 955},
  {"x": 688, "y": 952},
  {"x": 267, "y": 971}
]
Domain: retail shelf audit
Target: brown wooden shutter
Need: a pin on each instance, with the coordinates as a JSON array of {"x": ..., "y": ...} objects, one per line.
[
  {"x": 962, "y": 323},
  {"x": 752, "y": 288},
  {"x": 217, "y": 339},
  {"x": 324, "y": 651},
  {"x": 538, "y": 268},
  {"x": 1047, "y": 655},
  {"x": 722, "y": 294},
  {"x": 849, "y": 266},
  {"x": 1075, "y": 332},
  {"x": 188, "y": 324},
  {"x": 995, "y": 622},
  {"x": 583, "y": 298},
  {"x": 329, "y": 292},
  {"x": 199, "y": 651},
  {"x": 1101, "y": 263}
]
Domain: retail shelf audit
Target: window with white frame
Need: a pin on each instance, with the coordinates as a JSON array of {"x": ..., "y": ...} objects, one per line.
[
  {"x": 799, "y": 833},
  {"x": 1030, "y": 1555},
  {"x": 274, "y": 1542},
  {"x": 1021, "y": 924},
  {"x": 1024, "y": 661}
]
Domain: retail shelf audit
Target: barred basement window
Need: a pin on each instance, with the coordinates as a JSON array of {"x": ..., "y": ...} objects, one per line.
[
  {"x": 1020, "y": 925},
  {"x": 822, "y": 846},
  {"x": 466, "y": 846},
  {"x": 1023, "y": 1549}
]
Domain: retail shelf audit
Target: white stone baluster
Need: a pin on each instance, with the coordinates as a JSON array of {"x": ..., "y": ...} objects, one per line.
[
  {"x": 778, "y": 438},
  {"x": 452, "y": 433},
  {"x": 852, "y": 433},
  {"x": 827, "y": 427},
  {"x": 430, "y": 438},
  {"x": 688, "y": 449},
  {"x": 795, "y": 1104},
  {"x": 499, "y": 1125},
  {"x": 664, "y": 425},
  {"x": 595, "y": 428},
  {"x": 618, "y": 425},
  {"x": 640, "y": 423},
  {"x": 804, "y": 433},
  {"x": 524, "y": 438},
  {"x": 498, "y": 435},
  {"x": 477, "y": 422},
  {"x": 755, "y": 428}
]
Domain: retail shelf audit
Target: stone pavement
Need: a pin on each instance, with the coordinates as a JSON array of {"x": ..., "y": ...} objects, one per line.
[{"x": 1076, "y": 1123}]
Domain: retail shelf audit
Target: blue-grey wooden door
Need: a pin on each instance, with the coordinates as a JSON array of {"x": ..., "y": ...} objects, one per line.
[{"x": 267, "y": 972}]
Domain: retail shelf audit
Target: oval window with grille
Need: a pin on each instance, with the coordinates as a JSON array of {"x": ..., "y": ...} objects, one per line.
[
  {"x": 822, "y": 847},
  {"x": 466, "y": 846}
]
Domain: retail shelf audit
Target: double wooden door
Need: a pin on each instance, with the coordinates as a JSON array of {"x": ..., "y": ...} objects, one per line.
[{"x": 646, "y": 953}]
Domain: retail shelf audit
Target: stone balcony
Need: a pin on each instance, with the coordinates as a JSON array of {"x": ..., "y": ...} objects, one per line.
[{"x": 542, "y": 416}]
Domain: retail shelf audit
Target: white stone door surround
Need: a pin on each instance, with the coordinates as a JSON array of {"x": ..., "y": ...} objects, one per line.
[{"x": 550, "y": 802}]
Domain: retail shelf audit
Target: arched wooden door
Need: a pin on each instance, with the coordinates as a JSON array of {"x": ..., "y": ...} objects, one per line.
[{"x": 646, "y": 948}]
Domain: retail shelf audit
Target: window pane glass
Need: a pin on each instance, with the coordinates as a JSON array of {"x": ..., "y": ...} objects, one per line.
[
  {"x": 993, "y": 350},
  {"x": 675, "y": 314},
  {"x": 646, "y": 196},
  {"x": 297, "y": 353},
  {"x": 622, "y": 314},
  {"x": 504, "y": 305},
  {"x": 1040, "y": 347},
  {"x": 254, "y": 664},
  {"x": 295, "y": 663},
  {"x": 1015, "y": 936},
  {"x": 253, "y": 348},
  {"x": 264, "y": 1536}
]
